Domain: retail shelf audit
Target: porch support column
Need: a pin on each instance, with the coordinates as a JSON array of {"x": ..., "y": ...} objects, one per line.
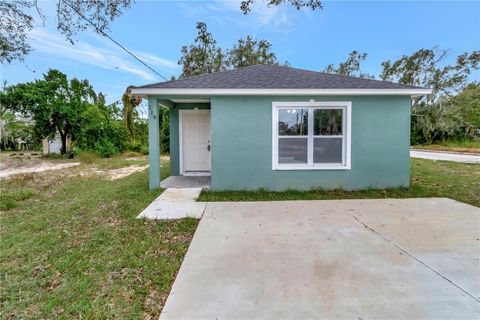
[{"x": 153, "y": 143}]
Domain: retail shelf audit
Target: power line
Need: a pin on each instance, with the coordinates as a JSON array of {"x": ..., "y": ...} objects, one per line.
[{"x": 115, "y": 41}]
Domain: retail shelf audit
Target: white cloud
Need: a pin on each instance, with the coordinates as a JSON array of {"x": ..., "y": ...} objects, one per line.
[
  {"x": 157, "y": 61},
  {"x": 261, "y": 14},
  {"x": 107, "y": 58}
]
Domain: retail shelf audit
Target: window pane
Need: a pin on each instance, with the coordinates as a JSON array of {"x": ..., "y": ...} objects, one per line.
[
  {"x": 292, "y": 122},
  {"x": 292, "y": 150},
  {"x": 327, "y": 150},
  {"x": 327, "y": 122}
]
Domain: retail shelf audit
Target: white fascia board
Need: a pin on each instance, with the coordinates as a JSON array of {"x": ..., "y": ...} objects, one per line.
[
  {"x": 278, "y": 92},
  {"x": 191, "y": 100}
]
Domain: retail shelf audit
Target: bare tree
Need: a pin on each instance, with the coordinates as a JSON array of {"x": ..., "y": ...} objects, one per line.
[{"x": 351, "y": 67}]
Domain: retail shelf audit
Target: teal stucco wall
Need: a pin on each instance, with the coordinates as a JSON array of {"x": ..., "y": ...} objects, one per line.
[
  {"x": 174, "y": 134},
  {"x": 242, "y": 145}
]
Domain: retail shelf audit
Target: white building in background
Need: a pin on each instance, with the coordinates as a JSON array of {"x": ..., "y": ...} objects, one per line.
[{"x": 54, "y": 145}]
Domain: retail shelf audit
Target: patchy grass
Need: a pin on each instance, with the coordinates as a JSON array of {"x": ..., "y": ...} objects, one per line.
[
  {"x": 14, "y": 159},
  {"x": 428, "y": 179},
  {"x": 130, "y": 154},
  {"x": 72, "y": 248},
  {"x": 86, "y": 157},
  {"x": 9, "y": 158},
  {"x": 118, "y": 162},
  {"x": 9, "y": 198},
  {"x": 115, "y": 162},
  {"x": 56, "y": 156},
  {"x": 468, "y": 146}
]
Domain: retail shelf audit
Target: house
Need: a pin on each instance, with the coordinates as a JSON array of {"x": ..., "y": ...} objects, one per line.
[
  {"x": 54, "y": 145},
  {"x": 276, "y": 128}
]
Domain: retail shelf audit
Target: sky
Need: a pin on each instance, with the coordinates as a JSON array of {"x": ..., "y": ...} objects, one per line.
[{"x": 157, "y": 30}]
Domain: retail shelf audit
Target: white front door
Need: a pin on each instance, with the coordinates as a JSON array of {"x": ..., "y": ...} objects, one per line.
[{"x": 196, "y": 141}]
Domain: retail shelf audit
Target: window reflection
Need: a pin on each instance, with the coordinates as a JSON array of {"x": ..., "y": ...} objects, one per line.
[{"x": 293, "y": 122}]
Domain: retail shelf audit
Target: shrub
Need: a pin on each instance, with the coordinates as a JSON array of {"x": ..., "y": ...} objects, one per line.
[
  {"x": 73, "y": 152},
  {"x": 457, "y": 118},
  {"x": 105, "y": 148},
  {"x": 100, "y": 132},
  {"x": 144, "y": 149},
  {"x": 416, "y": 138},
  {"x": 164, "y": 131},
  {"x": 133, "y": 145}
]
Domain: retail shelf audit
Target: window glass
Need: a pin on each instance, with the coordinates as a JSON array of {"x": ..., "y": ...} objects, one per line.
[
  {"x": 327, "y": 122},
  {"x": 292, "y": 122},
  {"x": 327, "y": 150},
  {"x": 292, "y": 150}
]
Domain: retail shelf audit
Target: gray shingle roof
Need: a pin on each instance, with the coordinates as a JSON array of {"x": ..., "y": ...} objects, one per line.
[{"x": 275, "y": 77}]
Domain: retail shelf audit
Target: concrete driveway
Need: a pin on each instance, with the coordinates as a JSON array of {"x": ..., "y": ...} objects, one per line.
[
  {"x": 445, "y": 156},
  {"x": 347, "y": 259}
]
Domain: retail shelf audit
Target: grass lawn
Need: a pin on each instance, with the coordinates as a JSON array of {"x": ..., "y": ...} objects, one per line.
[
  {"x": 428, "y": 179},
  {"x": 468, "y": 146},
  {"x": 72, "y": 248}
]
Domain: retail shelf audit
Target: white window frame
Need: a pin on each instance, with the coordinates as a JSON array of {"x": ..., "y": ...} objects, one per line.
[{"x": 313, "y": 105}]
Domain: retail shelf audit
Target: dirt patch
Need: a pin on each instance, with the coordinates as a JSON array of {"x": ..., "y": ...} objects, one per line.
[
  {"x": 17, "y": 163},
  {"x": 26, "y": 164},
  {"x": 33, "y": 167},
  {"x": 115, "y": 174},
  {"x": 140, "y": 158},
  {"x": 111, "y": 174}
]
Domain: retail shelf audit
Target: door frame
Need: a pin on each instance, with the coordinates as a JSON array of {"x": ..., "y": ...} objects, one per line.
[{"x": 181, "y": 113}]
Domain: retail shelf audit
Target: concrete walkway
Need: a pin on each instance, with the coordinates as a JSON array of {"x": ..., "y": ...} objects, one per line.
[
  {"x": 445, "y": 156},
  {"x": 175, "y": 203},
  {"x": 179, "y": 199},
  {"x": 339, "y": 259}
]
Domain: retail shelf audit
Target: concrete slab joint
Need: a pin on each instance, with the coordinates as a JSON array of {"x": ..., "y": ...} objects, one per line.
[{"x": 414, "y": 257}]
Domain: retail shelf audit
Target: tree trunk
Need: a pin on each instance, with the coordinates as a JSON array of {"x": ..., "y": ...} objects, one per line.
[{"x": 63, "y": 138}]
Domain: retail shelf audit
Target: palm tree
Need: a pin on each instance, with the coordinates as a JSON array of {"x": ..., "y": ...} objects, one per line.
[
  {"x": 130, "y": 102},
  {"x": 7, "y": 119}
]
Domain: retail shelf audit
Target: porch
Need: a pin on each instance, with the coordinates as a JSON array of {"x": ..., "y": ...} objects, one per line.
[
  {"x": 181, "y": 182},
  {"x": 190, "y": 142}
]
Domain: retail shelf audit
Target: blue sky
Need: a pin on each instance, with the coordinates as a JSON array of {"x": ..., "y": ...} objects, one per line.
[{"x": 156, "y": 31}]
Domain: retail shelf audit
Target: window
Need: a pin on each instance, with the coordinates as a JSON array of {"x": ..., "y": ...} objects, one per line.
[
  {"x": 293, "y": 135},
  {"x": 311, "y": 135}
]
